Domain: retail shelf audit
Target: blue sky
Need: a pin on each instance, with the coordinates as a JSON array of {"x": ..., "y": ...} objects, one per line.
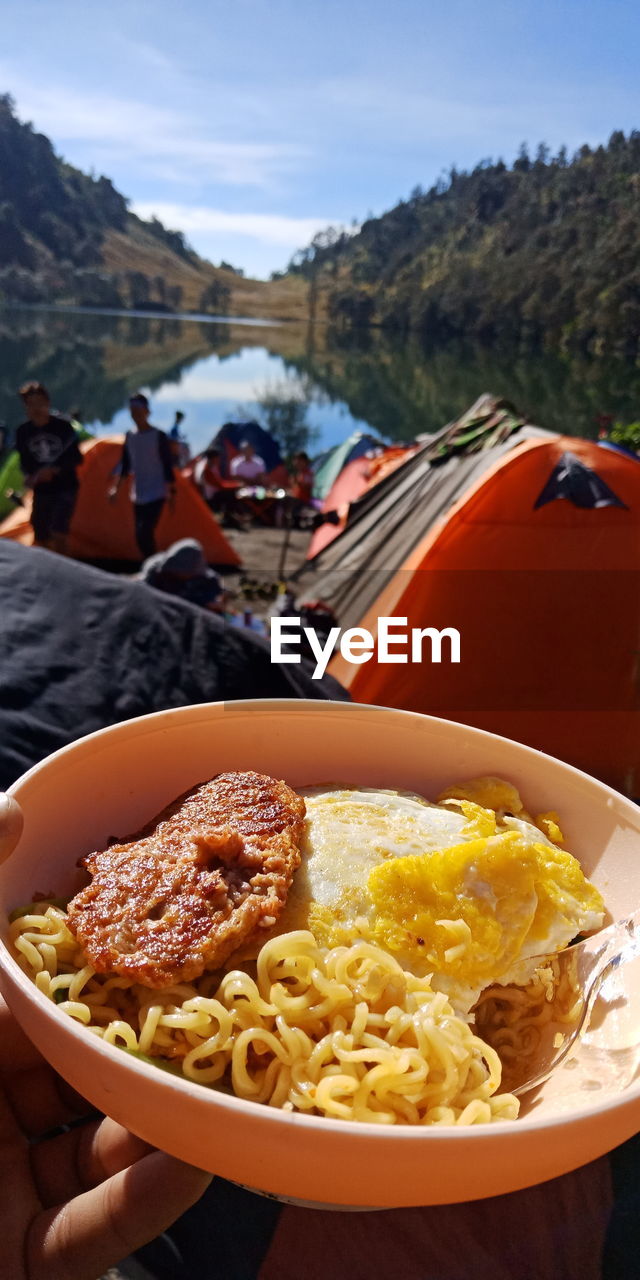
[{"x": 251, "y": 124}]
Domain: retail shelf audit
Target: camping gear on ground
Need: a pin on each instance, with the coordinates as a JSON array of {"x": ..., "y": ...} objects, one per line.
[
  {"x": 260, "y": 505},
  {"x": 183, "y": 571}
]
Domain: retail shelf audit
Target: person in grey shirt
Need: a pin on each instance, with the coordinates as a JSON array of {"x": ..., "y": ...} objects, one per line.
[{"x": 147, "y": 456}]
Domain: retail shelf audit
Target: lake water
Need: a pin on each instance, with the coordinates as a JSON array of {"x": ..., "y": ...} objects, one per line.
[{"x": 219, "y": 370}]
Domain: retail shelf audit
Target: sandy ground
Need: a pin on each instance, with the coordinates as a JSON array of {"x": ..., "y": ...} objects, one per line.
[{"x": 261, "y": 550}]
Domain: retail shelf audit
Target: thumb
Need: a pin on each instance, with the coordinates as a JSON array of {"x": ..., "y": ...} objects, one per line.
[{"x": 11, "y": 824}]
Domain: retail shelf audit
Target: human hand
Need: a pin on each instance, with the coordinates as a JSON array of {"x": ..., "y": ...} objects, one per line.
[
  {"x": 79, "y": 1192},
  {"x": 11, "y": 824},
  {"x": 76, "y": 1199}
]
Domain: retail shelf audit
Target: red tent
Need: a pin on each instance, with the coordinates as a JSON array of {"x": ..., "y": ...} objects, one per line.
[{"x": 358, "y": 477}]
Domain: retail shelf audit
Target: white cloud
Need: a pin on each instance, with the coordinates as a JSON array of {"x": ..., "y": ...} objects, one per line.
[
  {"x": 160, "y": 140},
  {"x": 197, "y": 390},
  {"x": 406, "y": 113},
  {"x": 269, "y": 228},
  {"x": 138, "y": 51}
]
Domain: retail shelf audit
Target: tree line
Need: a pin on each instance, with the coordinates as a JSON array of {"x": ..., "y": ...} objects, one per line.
[
  {"x": 53, "y": 219},
  {"x": 543, "y": 252}
]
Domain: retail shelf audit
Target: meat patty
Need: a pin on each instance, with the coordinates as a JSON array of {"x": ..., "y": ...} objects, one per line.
[{"x": 182, "y": 894}]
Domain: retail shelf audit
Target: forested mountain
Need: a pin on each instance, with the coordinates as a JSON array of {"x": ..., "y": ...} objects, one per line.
[
  {"x": 546, "y": 251},
  {"x": 69, "y": 238},
  {"x": 542, "y": 253}
]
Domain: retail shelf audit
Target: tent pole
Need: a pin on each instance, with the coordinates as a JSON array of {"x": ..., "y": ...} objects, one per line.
[{"x": 288, "y": 522}]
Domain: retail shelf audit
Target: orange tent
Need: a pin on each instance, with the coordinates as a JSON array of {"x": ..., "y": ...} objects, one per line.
[
  {"x": 546, "y": 599},
  {"x": 103, "y": 530}
]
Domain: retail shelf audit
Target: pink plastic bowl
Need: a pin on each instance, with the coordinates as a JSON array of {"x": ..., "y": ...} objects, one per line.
[{"x": 115, "y": 780}]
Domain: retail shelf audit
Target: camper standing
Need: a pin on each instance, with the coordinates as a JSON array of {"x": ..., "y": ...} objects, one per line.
[
  {"x": 49, "y": 455},
  {"x": 147, "y": 457}
]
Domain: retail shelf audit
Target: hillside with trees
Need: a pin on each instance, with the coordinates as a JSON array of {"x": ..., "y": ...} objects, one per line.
[
  {"x": 70, "y": 238},
  {"x": 543, "y": 253}
]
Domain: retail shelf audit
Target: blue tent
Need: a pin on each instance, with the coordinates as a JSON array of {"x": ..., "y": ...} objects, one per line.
[{"x": 620, "y": 448}]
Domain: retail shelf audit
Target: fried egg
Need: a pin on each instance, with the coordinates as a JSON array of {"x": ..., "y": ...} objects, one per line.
[{"x": 465, "y": 889}]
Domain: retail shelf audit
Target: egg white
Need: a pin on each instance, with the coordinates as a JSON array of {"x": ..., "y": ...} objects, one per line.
[{"x": 350, "y": 831}]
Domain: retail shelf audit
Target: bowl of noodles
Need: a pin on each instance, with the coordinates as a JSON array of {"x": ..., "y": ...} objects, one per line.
[{"x": 312, "y": 967}]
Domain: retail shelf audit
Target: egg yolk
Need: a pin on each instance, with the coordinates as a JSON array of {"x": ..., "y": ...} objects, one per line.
[
  {"x": 489, "y": 793},
  {"x": 470, "y": 910}
]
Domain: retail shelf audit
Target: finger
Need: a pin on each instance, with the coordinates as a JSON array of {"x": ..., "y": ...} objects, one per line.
[
  {"x": 11, "y": 824},
  {"x": 18, "y": 1055},
  {"x": 16, "y": 1051},
  {"x": 73, "y": 1162},
  {"x": 19, "y": 1066},
  {"x": 41, "y": 1101},
  {"x": 97, "y": 1229}
]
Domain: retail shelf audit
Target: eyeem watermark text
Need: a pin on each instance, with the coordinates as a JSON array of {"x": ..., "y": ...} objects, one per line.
[{"x": 394, "y": 643}]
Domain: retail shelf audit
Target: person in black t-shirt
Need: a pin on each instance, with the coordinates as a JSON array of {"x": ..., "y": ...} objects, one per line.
[{"x": 49, "y": 455}]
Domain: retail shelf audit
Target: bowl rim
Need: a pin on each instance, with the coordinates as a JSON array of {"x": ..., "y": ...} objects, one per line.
[{"x": 503, "y": 1131}]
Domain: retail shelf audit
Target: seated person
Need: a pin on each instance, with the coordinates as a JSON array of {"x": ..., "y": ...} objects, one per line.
[
  {"x": 301, "y": 490},
  {"x": 301, "y": 477},
  {"x": 248, "y": 465},
  {"x": 183, "y": 571},
  {"x": 208, "y": 476},
  {"x": 218, "y": 493}
]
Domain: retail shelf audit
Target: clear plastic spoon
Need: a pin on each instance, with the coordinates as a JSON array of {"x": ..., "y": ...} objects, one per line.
[{"x": 586, "y": 964}]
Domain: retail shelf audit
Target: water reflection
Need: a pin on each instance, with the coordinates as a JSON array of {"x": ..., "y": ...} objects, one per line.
[
  {"x": 397, "y": 388},
  {"x": 401, "y": 388}
]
